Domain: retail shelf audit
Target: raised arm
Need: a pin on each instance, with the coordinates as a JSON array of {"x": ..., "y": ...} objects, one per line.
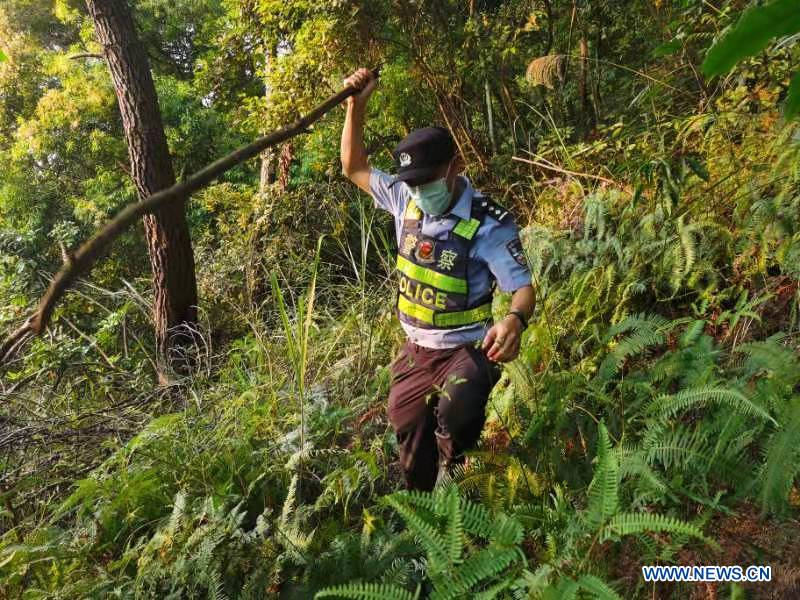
[{"x": 354, "y": 155}]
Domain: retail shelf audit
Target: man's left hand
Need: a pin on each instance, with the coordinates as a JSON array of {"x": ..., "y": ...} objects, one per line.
[{"x": 501, "y": 343}]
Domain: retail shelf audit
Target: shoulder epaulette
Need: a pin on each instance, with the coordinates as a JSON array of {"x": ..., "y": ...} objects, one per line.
[{"x": 483, "y": 205}]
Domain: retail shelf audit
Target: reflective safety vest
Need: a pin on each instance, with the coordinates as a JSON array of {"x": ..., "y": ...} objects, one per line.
[{"x": 433, "y": 288}]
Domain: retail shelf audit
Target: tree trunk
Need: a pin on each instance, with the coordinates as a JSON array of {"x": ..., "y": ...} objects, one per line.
[
  {"x": 583, "y": 81},
  {"x": 284, "y": 165},
  {"x": 550, "y": 24},
  {"x": 268, "y": 155},
  {"x": 166, "y": 231},
  {"x": 266, "y": 175},
  {"x": 596, "y": 75}
]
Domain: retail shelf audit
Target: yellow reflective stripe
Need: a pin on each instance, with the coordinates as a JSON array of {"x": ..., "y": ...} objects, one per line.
[
  {"x": 447, "y": 319},
  {"x": 465, "y": 317},
  {"x": 467, "y": 229},
  {"x": 414, "y": 310},
  {"x": 437, "y": 280},
  {"x": 412, "y": 212}
]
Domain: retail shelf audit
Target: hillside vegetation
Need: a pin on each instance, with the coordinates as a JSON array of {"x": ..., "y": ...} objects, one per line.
[{"x": 652, "y": 417}]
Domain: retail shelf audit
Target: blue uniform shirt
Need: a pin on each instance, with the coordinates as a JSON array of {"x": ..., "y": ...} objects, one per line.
[{"x": 492, "y": 256}]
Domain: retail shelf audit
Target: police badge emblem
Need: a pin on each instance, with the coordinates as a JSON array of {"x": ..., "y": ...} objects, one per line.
[{"x": 425, "y": 251}]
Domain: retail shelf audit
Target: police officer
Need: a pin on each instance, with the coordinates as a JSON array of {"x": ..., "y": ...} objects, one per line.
[{"x": 454, "y": 246}]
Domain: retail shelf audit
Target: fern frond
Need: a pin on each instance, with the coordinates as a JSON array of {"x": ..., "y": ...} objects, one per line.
[
  {"x": 289, "y": 502},
  {"x": 216, "y": 590},
  {"x": 598, "y": 587},
  {"x": 692, "y": 333},
  {"x": 674, "y": 447},
  {"x": 781, "y": 462},
  {"x": 604, "y": 488},
  {"x": 670, "y": 404},
  {"x": 770, "y": 355},
  {"x": 493, "y": 591},
  {"x": 506, "y": 531},
  {"x": 475, "y": 518},
  {"x": 531, "y": 584},
  {"x": 566, "y": 589},
  {"x": 398, "y": 572},
  {"x": 635, "y": 322},
  {"x": 647, "y": 331},
  {"x": 551, "y": 545},
  {"x": 455, "y": 529},
  {"x": 366, "y": 591},
  {"x": 635, "y": 464},
  {"x": 633, "y": 523},
  {"x": 434, "y": 544},
  {"x": 253, "y": 587},
  {"x": 477, "y": 568},
  {"x": 688, "y": 245},
  {"x": 178, "y": 510}
]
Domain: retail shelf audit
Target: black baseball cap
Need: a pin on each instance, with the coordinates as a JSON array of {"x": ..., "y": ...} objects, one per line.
[{"x": 421, "y": 153}]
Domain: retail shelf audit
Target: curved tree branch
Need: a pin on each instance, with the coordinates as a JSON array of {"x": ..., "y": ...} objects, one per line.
[
  {"x": 87, "y": 55},
  {"x": 84, "y": 257}
]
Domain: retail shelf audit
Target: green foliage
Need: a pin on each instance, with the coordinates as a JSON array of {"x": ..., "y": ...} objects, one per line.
[
  {"x": 667, "y": 405},
  {"x": 442, "y": 521},
  {"x": 602, "y": 513},
  {"x": 631, "y": 524},
  {"x": 793, "y": 97},
  {"x": 654, "y": 402},
  {"x": 603, "y": 491},
  {"x": 593, "y": 585},
  {"x": 758, "y": 25},
  {"x": 646, "y": 331},
  {"x": 781, "y": 464},
  {"x": 367, "y": 591}
]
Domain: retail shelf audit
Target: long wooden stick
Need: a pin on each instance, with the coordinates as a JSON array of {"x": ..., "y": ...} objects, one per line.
[{"x": 84, "y": 257}]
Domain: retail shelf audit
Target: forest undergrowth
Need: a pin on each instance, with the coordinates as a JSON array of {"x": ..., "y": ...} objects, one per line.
[{"x": 652, "y": 417}]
